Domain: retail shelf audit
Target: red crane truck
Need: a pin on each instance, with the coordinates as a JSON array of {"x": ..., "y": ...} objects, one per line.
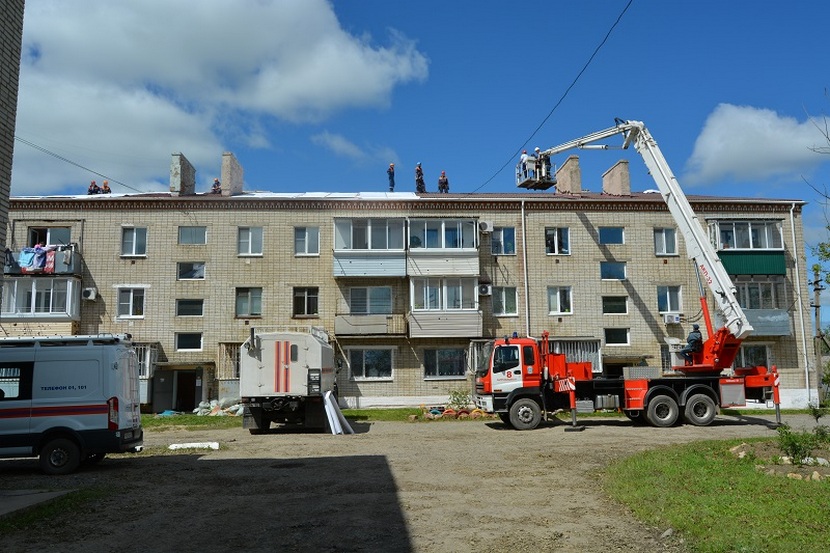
[{"x": 524, "y": 379}]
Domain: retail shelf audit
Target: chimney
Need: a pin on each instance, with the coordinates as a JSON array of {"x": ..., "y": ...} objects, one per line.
[
  {"x": 616, "y": 181},
  {"x": 232, "y": 175},
  {"x": 182, "y": 176},
  {"x": 569, "y": 176}
]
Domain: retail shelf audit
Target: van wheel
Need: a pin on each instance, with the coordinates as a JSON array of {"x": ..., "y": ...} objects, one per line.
[
  {"x": 525, "y": 414},
  {"x": 60, "y": 456},
  {"x": 700, "y": 410},
  {"x": 662, "y": 411}
]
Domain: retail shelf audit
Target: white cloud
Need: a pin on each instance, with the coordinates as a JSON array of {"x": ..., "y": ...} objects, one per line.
[
  {"x": 339, "y": 145},
  {"x": 751, "y": 144},
  {"x": 117, "y": 86}
]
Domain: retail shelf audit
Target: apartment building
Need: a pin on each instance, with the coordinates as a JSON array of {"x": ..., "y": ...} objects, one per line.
[{"x": 406, "y": 285}]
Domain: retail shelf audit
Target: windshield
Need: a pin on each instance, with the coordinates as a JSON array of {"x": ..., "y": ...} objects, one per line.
[
  {"x": 483, "y": 358},
  {"x": 505, "y": 358}
]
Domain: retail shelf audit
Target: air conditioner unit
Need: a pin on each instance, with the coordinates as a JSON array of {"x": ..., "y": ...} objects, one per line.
[
  {"x": 485, "y": 290},
  {"x": 671, "y": 318},
  {"x": 485, "y": 226},
  {"x": 90, "y": 294}
]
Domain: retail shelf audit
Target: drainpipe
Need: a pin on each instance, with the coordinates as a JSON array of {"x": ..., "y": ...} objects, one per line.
[
  {"x": 798, "y": 308},
  {"x": 524, "y": 266}
]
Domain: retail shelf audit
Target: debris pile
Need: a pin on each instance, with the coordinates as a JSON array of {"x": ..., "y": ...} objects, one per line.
[{"x": 220, "y": 408}]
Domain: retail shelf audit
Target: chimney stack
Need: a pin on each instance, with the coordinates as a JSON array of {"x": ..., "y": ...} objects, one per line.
[
  {"x": 616, "y": 181},
  {"x": 182, "y": 176},
  {"x": 569, "y": 176},
  {"x": 232, "y": 175}
]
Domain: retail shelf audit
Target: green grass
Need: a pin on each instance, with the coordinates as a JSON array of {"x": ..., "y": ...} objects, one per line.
[
  {"x": 721, "y": 503},
  {"x": 369, "y": 415},
  {"x": 76, "y": 501},
  {"x": 189, "y": 422}
]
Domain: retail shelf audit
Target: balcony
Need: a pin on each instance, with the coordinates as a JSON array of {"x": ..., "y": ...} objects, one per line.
[
  {"x": 446, "y": 262},
  {"x": 59, "y": 260},
  {"x": 445, "y": 324},
  {"x": 369, "y": 263},
  {"x": 366, "y": 325}
]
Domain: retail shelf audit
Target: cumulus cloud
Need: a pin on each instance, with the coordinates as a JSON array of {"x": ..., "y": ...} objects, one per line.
[
  {"x": 750, "y": 144},
  {"x": 339, "y": 145},
  {"x": 125, "y": 84}
]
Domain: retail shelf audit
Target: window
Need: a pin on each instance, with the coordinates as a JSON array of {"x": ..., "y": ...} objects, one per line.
[
  {"x": 190, "y": 308},
  {"x": 11, "y": 379},
  {"x": 49, "y": 236},
  {"x": 612, "y": 270},
  {"x": 443, "y": 363},
  {"x": 249, "y": 241},
  {"x": 614, "y": 305},
  {"x": 611, "y": 235},
  {"x": 306, "y": 241},
  {"x": 249, "y": 302},
  {"x": 557, "y": 241},
  {"x": 753, "y": 356},
  {"x": 133, "y": 241},
  {"x": 131, "y": 303},
  {"x": 744, "y": 235},
  {"x": 504, "y": 300},
  {"x": 766, "y": 294},
  {"x": 443, "y": 294},
  {"x": 191, "y": 341},
  {"x": 38, "y": 297},
  {"x": 446, "y": 234},
  {"x": 616, "y": 336},
  {"x": 191, "y": 270},
  {"x": 371, "y": 363},
  {"x": 559, "y": 300},
  {"x": 503, "y": 241},
  {"x": 306, "y": 302},
  {"x": 368, "y": 234},
  {"x": 193, "y": 236},
  {"x": 665, "y": 241},
  {"x": 370, "y": 300},
  {"x": 668, "y": 299}
]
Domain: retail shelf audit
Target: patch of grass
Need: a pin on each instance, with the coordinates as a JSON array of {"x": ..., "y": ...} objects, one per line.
[
  {"x": 719, "y": 502},
  {"x": 368, "y": 415},
  {"x": 76, "y": 501},
  {"x": 189, "y": 421}
]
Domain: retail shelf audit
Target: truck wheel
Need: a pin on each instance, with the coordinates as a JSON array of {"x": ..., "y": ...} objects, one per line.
[
  {"x": 60, "y": 456},
  {"x": 635, "y": 416},
  {"x": 662, "y": 411},
  {"x": 505, "y": 418},
  {"x": 700, "y": 410},
  {"x": 525, "y": 414}
]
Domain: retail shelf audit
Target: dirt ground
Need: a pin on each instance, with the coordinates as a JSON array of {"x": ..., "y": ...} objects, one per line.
[{"x": 391, "y": 487}]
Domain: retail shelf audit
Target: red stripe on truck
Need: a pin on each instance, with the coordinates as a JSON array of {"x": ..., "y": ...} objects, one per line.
[{"x": 60, "y": 411}]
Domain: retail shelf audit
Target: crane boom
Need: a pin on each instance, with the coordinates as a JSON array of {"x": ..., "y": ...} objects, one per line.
[{"x": 698, "y": 246}]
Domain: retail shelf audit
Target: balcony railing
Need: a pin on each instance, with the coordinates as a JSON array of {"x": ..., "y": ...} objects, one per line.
[
  {"x": 364, "y": 325},
  {"x": 51, "y": 260}
]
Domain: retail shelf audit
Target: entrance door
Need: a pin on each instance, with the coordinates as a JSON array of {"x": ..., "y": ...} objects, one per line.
[{"x": 185, "y": 390}]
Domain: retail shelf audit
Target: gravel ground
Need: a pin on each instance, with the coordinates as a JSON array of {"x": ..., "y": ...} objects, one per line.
[{"x": 391, "y": 487}]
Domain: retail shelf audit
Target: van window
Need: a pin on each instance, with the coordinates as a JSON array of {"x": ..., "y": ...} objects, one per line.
[{"x": 16, "y": 381}]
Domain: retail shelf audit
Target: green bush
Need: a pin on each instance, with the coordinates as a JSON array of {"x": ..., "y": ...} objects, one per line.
[
  {"x": 460, "y": 399},
  {"x": 797, "y": 445}
]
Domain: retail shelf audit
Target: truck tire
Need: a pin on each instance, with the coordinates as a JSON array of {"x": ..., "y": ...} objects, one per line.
[
  {"x": 525, "y": 414},
  {"x": 700, "y": 410},
  {"x": 60, "y": 456},
  {"x": 505, "y": 418},
  {"x": 635, "y": 416},
  {"x": 662, "y": 411}
]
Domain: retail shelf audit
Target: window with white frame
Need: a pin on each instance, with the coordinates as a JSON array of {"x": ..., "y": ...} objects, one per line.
[
  {"x": 753, "y": 355},
  {"x": 193, "y": 236},
  {"x": 761, "y": 293},
  {"x": 306, "y": 241},
  {"x": 611, "y": 235},
  {"x": 665, "y": 241},
  {"x": 503, "y": 241},
  {"x": 249, "y": 302},
  {"x": 444, "y": 363},
  {"x": 133, "y": 241},
  {"x": 747, "y": 235},
  {"x": 368, "y": 234},
  {"x": 443, "y": 234},
  {"x": 614, "y": 305},
  {"x": 371, "y": 363},
  {"x": 38, "y": 297},
  {"x": 191, "y": 270},
  {"x": 249, "y": 241},
  {"x": 131, "y": 303},
  {"x": 49, "y": 236},
  {"x": 557, "y": 241},
  {"x": 504, "y": 300},
  {"x": 668, "y": 299},
  {"x": 442, "y": 294},
  {"x": 188, "y": 341},
  {"x": 612, "y": 270},
  {"x": 559, "y": 300},
  {"x": 306, "y": 301},
  {"x": 370, "y": 300},
  {"x": 616, "y": 336},
  {"x": 190, "y": 308}
]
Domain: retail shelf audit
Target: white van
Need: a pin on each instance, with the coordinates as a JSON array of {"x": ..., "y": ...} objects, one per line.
[{"x": 68, "y": 399}]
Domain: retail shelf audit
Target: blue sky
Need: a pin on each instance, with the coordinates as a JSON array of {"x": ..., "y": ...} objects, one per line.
[{"x": 321, "y": 96}]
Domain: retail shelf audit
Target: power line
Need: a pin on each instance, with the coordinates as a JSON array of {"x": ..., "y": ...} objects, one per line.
[
  {"x": 561, "y": 98},
  {"x": 69, "y": 161}
]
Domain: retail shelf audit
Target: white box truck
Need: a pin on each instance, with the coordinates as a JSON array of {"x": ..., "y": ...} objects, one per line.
[
  {"x": 68, "y": 399},
  {"x": 283, "y": 376}
]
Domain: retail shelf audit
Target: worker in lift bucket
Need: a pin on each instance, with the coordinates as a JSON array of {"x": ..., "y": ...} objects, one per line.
[{"x": 694, "y": 344}]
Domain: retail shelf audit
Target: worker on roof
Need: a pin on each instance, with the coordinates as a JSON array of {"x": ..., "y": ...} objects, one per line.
[
  {"x": 443, "y": 183},
  {"x": 217, "y": 187},
  {"x": 420, "y": 185},
  {"x": 391, "y": 174},
  {"x": 105, "y": 188},
  {"x": 93, "y": 189}
]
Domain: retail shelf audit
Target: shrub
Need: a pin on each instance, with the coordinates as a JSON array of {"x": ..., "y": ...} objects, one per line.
[
  {"x": 460, "y": 399},
  {"x": 797, "y": 445}
]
